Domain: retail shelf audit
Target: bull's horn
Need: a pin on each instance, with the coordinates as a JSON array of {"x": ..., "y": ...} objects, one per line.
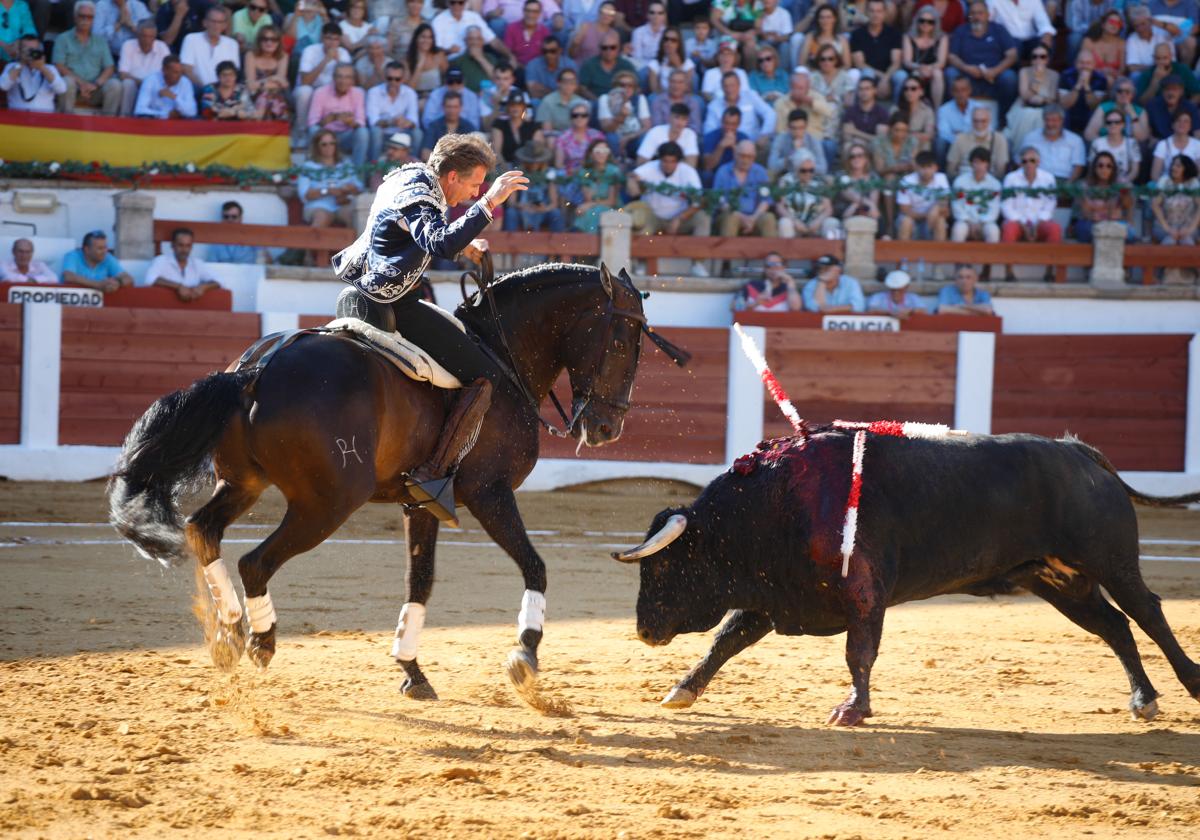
[{"x": 666, "y": 535}]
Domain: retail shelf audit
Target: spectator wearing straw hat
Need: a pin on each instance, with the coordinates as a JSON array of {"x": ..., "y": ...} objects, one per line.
[{"x": 537, "y": 208}]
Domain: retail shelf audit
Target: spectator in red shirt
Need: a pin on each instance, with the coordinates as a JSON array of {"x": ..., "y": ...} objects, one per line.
[{"x": 524, "y": 37}]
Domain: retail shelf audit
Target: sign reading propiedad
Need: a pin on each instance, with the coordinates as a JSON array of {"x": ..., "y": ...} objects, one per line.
[
  {"x": 64, "y": 295},
  {"x": 861, "y": 323}
]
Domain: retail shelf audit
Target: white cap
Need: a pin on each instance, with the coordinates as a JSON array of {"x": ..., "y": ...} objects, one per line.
[
  {"x": 897, "y": 279},
  {"x": 400, "y": 138}
]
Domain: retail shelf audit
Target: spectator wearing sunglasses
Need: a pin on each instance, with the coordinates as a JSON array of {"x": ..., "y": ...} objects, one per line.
[
  {"x": 248, "y": 21},
  {"x": 598, "y": 73},
  {"x": 392, "y": 107},
  {"x": 1037, "y": 87},
  {"x": 1028, "y": 210},
  {"x": 541, "y": 74},
  {"x": 231, "y": 214},
  {"x": 1137, "y": 122}
]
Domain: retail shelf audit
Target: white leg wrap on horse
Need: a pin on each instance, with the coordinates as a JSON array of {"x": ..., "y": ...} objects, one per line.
[
  {"x": 408, "y": 632},
  {"x": 221, "y": 587},
  {"x": 261, "y": 612},
  {"x": 533, "y": 611}
]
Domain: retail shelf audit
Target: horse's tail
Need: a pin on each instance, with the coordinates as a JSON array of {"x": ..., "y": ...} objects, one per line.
[
  {"x": 1094, "y": 454},
  {"x": 165, "y": 454}
]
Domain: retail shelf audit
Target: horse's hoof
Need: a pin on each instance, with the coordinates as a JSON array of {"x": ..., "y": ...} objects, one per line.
[
  {"x": 847, "y": 715},
  {"x": 522, "y": 669},
  {"x": 227, "y": 646},
  {"x": 418, "y": 690},
  {"x": 261, "y": 649},
  {"x": 1147, "y": 712},
  {"x": 679, "y": 698}
]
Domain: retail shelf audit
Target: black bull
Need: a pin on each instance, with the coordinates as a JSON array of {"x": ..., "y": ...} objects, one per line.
[{"x": 979, "y": 515}]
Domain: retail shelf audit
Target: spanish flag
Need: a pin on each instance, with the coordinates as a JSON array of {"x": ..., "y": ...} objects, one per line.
[{"x": 129, "y": 141}]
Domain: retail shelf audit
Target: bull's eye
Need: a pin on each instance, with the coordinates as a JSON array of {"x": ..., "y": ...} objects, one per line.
[{"x": 617, "y": 345}]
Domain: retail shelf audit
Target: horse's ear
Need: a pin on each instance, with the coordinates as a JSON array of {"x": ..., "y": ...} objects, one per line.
[{"x": 606, "y": 280}]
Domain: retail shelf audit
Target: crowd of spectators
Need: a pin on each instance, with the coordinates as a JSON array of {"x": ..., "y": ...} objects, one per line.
[{"x": 796, "y": 114}]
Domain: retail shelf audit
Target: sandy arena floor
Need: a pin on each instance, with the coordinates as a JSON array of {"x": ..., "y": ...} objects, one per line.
[{"x": 991, "y": 717}]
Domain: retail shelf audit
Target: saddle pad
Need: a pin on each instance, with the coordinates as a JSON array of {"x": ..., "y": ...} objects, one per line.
[{"x": 410, "y": 359}]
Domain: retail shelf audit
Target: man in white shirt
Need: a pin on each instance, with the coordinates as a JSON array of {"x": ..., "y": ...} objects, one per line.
[
  {"x": 392, "y": 107},
  {"x": 450, "y": 30},
  {"x": 317, "y": 63},
  {"x": 167, "y": 94},
  {"x": 33, "y": 82},
  {"x": 1029, "y": 216},
  {"x": 117, "y": 20},
  {"x": 676, "y": 131},
  {"x": 978, "y": 209},
  {"x": 140, "y": 58},
  {"x": 667, "y": 212},
  {"x": 758, "y": 118},
  {"x": 923, "y": 202},
  {"x": 1025, "y": 20},
  {"x": 23, "y": 268},
  {"x": 1139, "y": 46},
  {"x": 187, "y": 275},
  {"x": 727, "y": 62},
  {"x": 776, "y": 27},
  {"x": 203, "y": 51}
]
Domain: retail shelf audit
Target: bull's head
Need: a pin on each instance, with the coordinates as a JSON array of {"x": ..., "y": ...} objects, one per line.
[{"x": 679, "y": 592}]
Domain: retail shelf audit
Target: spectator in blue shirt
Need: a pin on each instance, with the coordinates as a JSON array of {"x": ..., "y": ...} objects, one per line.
[
  {"x": 896, "y": 300},
  {"x": 747, "y": 205},
  {"x": 964, "y": 297},
  {"x": 541, "y": 74},
  {"x": 831, "y": 292},
  {"x": 954, "y": 116},
  {"x": 1164, "y": 108},
  {"x": 716, "y": 149},
  {"x": 93, "y": 266},
  {"x": 985, "y": 53},
  {"x": 231, "y": 214},
  {"x": 15, "y": 23},
  {"x": 167, "y": 94}
]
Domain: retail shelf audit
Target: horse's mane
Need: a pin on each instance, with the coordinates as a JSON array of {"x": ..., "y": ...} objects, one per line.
[{"x": 533, "y": 279}]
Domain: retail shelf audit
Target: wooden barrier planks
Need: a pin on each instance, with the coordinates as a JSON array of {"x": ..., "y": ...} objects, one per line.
[
  {"x": 11, "y": 336},
  {"x": 1125, "y": 394},
  {"x": 862, "y": 376},
  {"x": 115, "y": 362}
]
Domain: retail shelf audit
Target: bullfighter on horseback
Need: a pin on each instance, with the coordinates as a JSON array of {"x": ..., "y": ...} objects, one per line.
[{"x": 406, "y": 229}]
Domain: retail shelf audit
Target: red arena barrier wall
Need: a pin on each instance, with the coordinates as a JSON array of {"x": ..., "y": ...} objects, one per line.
[{"x": 10, "y": 373}]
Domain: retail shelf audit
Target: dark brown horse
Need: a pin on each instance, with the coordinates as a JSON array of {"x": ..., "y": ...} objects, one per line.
[{"x": 334, "y": 425}]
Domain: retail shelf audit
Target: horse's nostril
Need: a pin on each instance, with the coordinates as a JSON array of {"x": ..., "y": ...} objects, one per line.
[{"x": 644, "y": 635}]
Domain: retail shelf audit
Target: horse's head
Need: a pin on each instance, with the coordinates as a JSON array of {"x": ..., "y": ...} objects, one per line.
[{"x": 604, "y": 347}]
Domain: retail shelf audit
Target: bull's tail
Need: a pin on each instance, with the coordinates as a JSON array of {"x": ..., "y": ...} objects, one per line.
[
  {"x": 1139, "y": 497},
  {"x": 165, "y": 454}
]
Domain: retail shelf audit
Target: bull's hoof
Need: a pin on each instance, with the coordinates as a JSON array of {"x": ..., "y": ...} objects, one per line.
[
  {"x": 261, "y": 649},
  {"x": 847, "y": 715},
  {"x": 679, "y": 698},
  {"x": 417, "y": 689},
  {"x": 227, "y": 645},
  {"x": 1146, "y": 712},
  {"x": 522, "y": 669}
]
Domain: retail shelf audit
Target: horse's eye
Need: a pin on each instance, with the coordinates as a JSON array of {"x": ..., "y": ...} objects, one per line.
[{"x": 617, "y": 345}]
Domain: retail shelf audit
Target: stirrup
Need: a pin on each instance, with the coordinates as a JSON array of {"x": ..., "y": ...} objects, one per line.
[{"x": 436, "y": 495}]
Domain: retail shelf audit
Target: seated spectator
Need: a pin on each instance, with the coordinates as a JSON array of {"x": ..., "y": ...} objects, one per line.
[
  {"x": 179, "y": 18},
  {"x": 677, "y": 93},
  {"x": 524, "y": 37},
  {"x": 391, "y": 108},
  {"x": 537, "y": 207},
  {"x": 203, "y": 52},
  {"x": 676, "y": 131},
  {"x": 924, "y": 52},
  {"x": 954, "y": 118},
  {"x": 701, "y": 45},
  {"x": 624, "y": 114},
  {"x": 1175, "y": 207},
  {"x": 894, "y": 155},
  {"x": 745, "y": 210},
  {"x": 588, "y": 35},
  {"x": 266, "y": 76},
  {"x": 1027, "y": 23},
  {"x": 833, "y": 81},
  {"x": 304, "y": 26},
  {"x": 248, "y": 21},
  {"x": 717, "y": 147},
  {"x": 985, "y": 53},
  {"x": 1029, "y": 216},
  {"x": 1061, "y": 152},
  {"x": 1142, "y": 39},
  {"x": 775, "y": 291},
  {"x": 1124, "y": 150},
  {"x": 117, "y": 20},
  {"x": 646, "y": 37},
  {"x": 980, "y": 135},
  {"x": 31, "y": 82},
  {"x": 1149, "y": 82},
  {"x": 919, "y": 114},
  {"x": 786, "y": 147},
  {"x": 397, "y": 151},
  {"x": 356, "y": 28},
  {"x": 599, "y": 182},
  {"x": 951, "y": 14},
  {"x": 976, "y": 205},
  {"x": 474, "y": 109},
  {"x": 758, "y": 118},
  {"x": 371, "y": 65},
  {"x": 140, "y": 58},
  {"x": 824, "y": 30},
  {"x": 492, "y": 99},
  {"x": 93, "y": 266},
  {"x": 736, "y": 21},
  {"x": 728, "y": 61},
  {"x": 16, "y": 23},
  {"x": 542, "y": 74},
  {"x": 167, "y": 94},
  {"x": 231, "y": 214},
  {"x": 775, "y": 29},
  {"x": 570, "y": 146},
  {"x": 228, "y": 99},
  {"x": 865, "y": 118},
  {"x": 517, "y": 131},
  {"x": 831, "y": 292},
  {"x": 85, "y": 63},
  {"x": 768, "y": 81},
  {"x": 964, "y": 297},
  {"x": 875, "y": 49},
  {"x": 1101, "y": 200},
  {"x": 656, "y": 211},
  {"x": 896, "y": 299},
  {"x": 554, "y": 112},
  {"x": 326, "y": 186},
  {"x": 1102, "y": 38},
  {"x": 341, "y": 108},
  {"x": 23, "y": 268},
  {"x": 597, "y": 73},
  {"x": 1081, "y": 89},
  {"x": 1037, "y": 87},
  {"x": 476, "y": 66},
  {"x": 1181, "y": 142},
  {"x": 427, "y": 63},
  {"x": 855, "y": 196},
  {"x": 670, "y": 59},
  {"x": 401, "y": 26},
  {"x": 450, "y": 28},
  {"x": 1137, "y": 121},
  {"x": 451, "y": 122},
  {"x": 1170, "y": 103},
  {"x": 188, "y": 276},
  {"x": 822, "y": 114},
  {"x": 316, "y": 67},
  {"x": 803, "y": 209},
  {"x": 923, "y": 203}
]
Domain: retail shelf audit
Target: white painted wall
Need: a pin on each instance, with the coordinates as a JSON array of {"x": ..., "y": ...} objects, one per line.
[{"x": 1085, "y": 316}]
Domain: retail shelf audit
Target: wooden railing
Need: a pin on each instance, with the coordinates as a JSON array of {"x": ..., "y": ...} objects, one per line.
[{"x": 652, "y": 248}]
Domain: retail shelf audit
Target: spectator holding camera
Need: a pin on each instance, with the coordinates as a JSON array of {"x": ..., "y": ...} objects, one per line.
[{"x": 31, "y": 83}]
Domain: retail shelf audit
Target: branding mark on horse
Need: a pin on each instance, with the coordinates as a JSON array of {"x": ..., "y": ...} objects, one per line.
[{"x": 347, "y": 449}]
